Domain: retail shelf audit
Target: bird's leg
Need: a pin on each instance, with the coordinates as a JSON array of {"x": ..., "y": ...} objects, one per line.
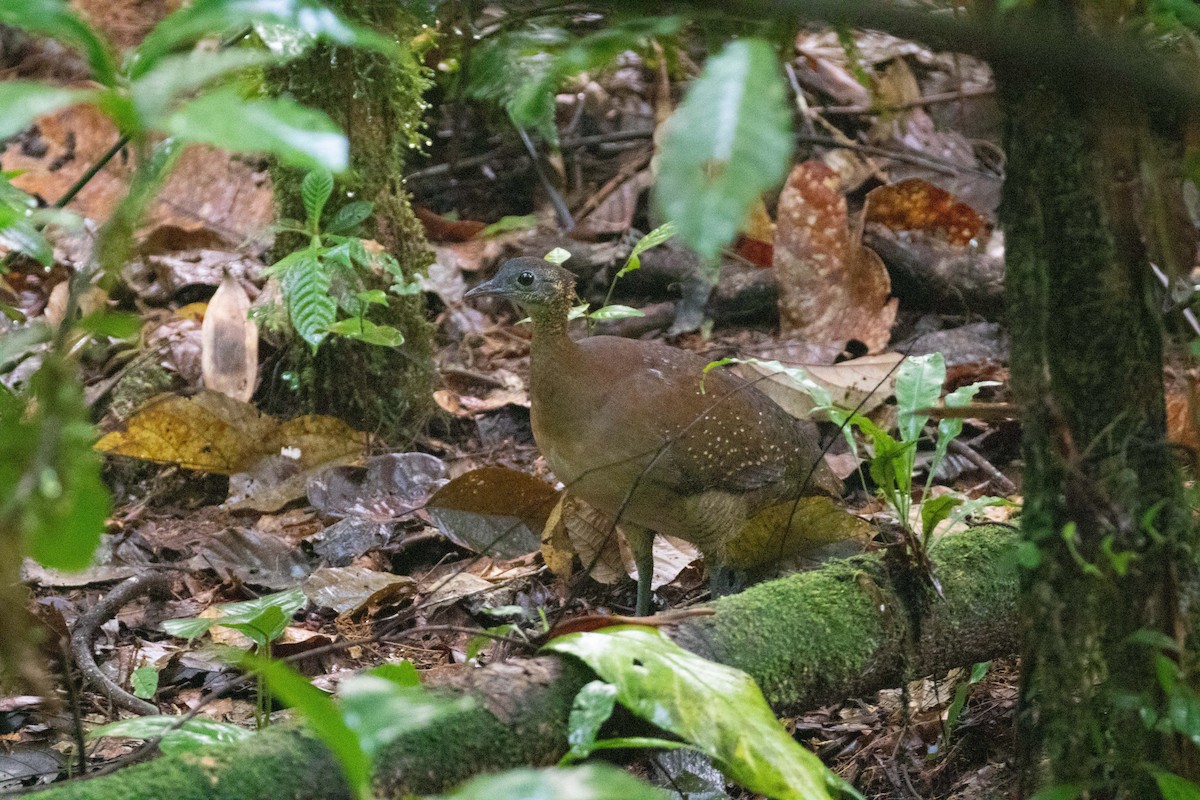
[{"x": 641, "y": 542}]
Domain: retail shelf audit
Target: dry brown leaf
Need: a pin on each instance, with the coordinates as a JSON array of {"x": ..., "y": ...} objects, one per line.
[
  {"x": 494, "y": 510},
  {"x": 210, "y": 432},
  {"x": 917, "y": 205},
  {"x": 831, "y": 288},
  {"x": 577, "y": 528},
  {"x": 862, "y": 384},
  {"x": 229, "y": 342}
]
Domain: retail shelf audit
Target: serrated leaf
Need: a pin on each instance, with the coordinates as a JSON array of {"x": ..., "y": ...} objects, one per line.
[
  {"x": 54, "y": 18},
  {"x": 204, "y": 17},
  {"x": 299, "y": 136},
  {"x": 315, "y": 190},
  {"x": 22, "y": 102},
  {"x": 306, "y": 290},
  {"x": 729, "y": 141},
  {"x": 177, "y": 735},
  {"x": 661, "y": 683}
]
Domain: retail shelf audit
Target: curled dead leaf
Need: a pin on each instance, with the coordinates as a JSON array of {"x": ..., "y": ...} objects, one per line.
[{"x": 229, "y": 342}]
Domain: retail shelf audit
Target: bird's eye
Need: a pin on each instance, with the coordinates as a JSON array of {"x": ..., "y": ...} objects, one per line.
[{"x": 525, "y": 278}]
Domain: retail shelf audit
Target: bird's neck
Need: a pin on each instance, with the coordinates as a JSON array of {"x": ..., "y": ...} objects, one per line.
[{"x": 551, "y": 343}]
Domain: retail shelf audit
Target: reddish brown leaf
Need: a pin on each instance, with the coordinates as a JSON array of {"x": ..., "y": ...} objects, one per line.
[
  {"x": 440, "y": 229},
  {"x": 917, "y": 205},
  {"x": 831, "y": 288}
]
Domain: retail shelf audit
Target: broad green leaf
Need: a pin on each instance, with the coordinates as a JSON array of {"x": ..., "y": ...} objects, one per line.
[
  {"x": 144, "y": 681},
  {"x": 177, "y": 735},
  {"x": 19, "y": 343},
  {"x": 728, "y": 142},
  {"x": 297, "y": 135},
  {"x": 263, "y": 614},
  {"x": 615, "y": 312},
  {"x": 1173, "y": 787},
  {"x": 349, "y": 217},
  {"x": 401, "y": 673},
  {"x": 315, "y": 190},
  {"x": 592, "y": 707},
  {"x": 54, "y": 18},
  {"x": 49, "y": 474},
  {"x": 156, "y": 91},
  {"x": 204, "y": 17},
  {"x": 718, "y": 709},
  {"x": 366, "y": 331},
  {"x": 510, "y": 223},
  {"x": 585, "y": 782},
  {"x": 22, "y": 102},
  {"x": 17, "y": 232},
  {"x": 380, "y": 710},
  {"x": 377, "y": 297},
  {"x": 323, "y": 717},
  {"x": 117, "y": 324},
  {"x": 919, "y": 382},
  {"x": 936, "y": 509},
  {"x": 264, "y": 628},
  {"x": 306, "y": 289}
]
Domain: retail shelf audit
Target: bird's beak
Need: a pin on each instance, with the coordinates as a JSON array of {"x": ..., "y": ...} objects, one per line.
[{"x": 485, "y": 289}]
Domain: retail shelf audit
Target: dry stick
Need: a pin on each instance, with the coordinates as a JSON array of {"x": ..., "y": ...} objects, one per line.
[
  {"x": 997, "y": 477},
  {"x": 927, "y": 100},
  {"x": 556, "y": 199},
  {"x": 85, "y": 629}
]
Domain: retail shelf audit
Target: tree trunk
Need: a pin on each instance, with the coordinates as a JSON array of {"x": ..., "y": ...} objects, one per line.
[
  {"x": 846, "y": 629},
  {"x": 377, "y": 102},
  {"x": 1107, "y": 537}
]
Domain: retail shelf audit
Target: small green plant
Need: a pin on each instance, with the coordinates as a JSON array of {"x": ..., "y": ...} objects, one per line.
[
  {"x": 325, "y": 283},
  {"x": 262, "y": 620}
]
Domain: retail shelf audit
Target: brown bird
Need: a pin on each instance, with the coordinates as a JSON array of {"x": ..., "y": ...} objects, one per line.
[{"x": 636, "y": 429}]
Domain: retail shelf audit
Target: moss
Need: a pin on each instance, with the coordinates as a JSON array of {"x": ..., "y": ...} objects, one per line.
[{"x": 378, "y": 103}]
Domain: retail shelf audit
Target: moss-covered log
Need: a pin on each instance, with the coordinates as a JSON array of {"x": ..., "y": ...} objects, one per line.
[
  {"x": 378, "y": 102},
  {"x": 839, "y": 631}
]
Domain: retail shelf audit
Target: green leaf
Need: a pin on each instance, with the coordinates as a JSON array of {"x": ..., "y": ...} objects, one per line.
[
  {"x": 506, "y": 224},
  {"x": 380, "y": 710},
  {"x": 300, "y": 136},
  {"x": 144, "y": 681},
  {"x": 174, "y": 76},
  {"x": 615, "y": 312},
  {"x": 950, "y": 428},
  {"x": 586, "y": 782},
  {"x": 1173, "y": 787},
  {"x": 315, "y": 190},
  {"x": 178, "y": 736},
  {"x": 557, "y": 256},
  {"x": 377, "y": 297},
  {"x": 54, "y": 18},
  {"x": 652, "y": 239},
  {"x": 22, "y": 102},
  {"x": 718, "y": 709},
  {"x": 117, "y": 324},
  {"x": 323, "y": 717},
  {"x": 260, "y": 615},
  {"x": 402, "y": 673},
  {"x": 592, "y": 707},
  {"x": 310, "y": 18},
  {"x": 49, "y": 475},
  {"x": 366, "y": 331},
  {"x": 728, "y": 142},
  {"x": 1064, "y": 791},
  {"x": 306, "y": 290},
  {"x": 264, "y": 628},
  {"x": 919, "y": 382},
  {"x": 936, "y": 510},
  {"x": 18, "y": 232},
  {"x": 349, "y": 217}
]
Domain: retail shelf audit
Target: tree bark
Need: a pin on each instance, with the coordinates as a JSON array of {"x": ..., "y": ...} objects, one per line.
[
  {"x": 1107, "y": 535},
  {"x": 849, "y": 628}
]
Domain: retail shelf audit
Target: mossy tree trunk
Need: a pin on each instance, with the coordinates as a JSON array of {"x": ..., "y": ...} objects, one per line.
[
  {"x": 378, "y": 103},
  {"x": 1108, "y": 539}
]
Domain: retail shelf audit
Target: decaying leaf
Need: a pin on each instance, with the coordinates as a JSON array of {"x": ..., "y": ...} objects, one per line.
[
  {"x": 229, "y": 342},
  {"x": 917, "y": 205},
  {"x": 831, "y": 288},
  {"x": 576, "y": 528},
  {"x": 862, "y": 384},
  {"x": 210, "y": 432},
  {"x": 348, "y": 590},
  {"x": 493, "y": 510},
  {"x": 793, "y": 529}
]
